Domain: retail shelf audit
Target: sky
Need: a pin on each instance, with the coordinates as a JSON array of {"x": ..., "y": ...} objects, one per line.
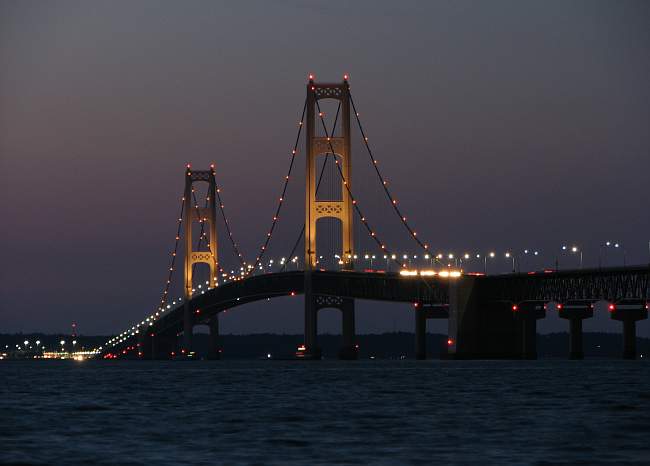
[{"x": 501, "y": 125}]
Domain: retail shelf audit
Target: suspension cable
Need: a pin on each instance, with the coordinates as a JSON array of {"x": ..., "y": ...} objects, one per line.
[
  {"x": 263, "y": 249},
  {"x": 235, "y": 246},
  {"x": 373, "y": 235},
  {"x": 384, "y": 182}
]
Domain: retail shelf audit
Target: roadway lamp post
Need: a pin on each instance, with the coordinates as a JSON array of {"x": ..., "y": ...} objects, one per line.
[
  {"x": 573, "y": 250},
  {"x": 511, "y": 256},
  {"x": 605, "y": 247},
  {"x": 485, "y": 258},
  {"x": 466, "y": 257}
]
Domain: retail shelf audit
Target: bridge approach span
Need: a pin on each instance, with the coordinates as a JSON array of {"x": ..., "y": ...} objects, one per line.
[{"x": 333, "y": 284}]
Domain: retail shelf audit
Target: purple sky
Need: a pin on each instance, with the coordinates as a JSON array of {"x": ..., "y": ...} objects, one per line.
[{"x": 500, "y": 125}]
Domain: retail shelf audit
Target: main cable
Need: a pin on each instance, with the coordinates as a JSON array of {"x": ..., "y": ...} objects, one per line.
[{"x": 264, "y": 247}]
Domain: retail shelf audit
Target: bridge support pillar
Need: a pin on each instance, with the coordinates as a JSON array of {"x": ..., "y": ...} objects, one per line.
[
  {"x": 420, "y": 334},
  {"x": 629, "y": 313},
  {"x": 350, "y": 348},
  {"x": 479, "y": 328},
  {"x": 214, "y": 349},
  {"x": 575, "y": 339},
  {"x": 575, "y": 312},
  {"x": 312, "y": 350},
  {"x": 527, "y": 313},
  {"x": 188, "y": 329}
]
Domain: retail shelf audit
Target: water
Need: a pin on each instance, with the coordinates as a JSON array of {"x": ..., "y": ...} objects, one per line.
[{"x": 364, "y": 412}]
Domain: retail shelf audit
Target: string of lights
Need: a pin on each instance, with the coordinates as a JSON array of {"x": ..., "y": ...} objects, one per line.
[
  {"x": 234, "y": 244},
  {"x": 384, "y": 181},
  {"x": 294, "y": 151}
]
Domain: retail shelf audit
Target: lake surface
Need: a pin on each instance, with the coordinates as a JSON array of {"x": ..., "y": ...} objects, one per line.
[{"x": 329, "y": 412}]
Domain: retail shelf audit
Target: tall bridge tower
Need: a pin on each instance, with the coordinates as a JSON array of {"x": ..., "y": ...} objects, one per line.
[
  {"x": 316, "y": 209},
  {"x": 206, "y": 216}
]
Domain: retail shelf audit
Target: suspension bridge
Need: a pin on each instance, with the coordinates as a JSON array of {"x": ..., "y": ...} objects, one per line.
[{"x": 489, "y": 316}]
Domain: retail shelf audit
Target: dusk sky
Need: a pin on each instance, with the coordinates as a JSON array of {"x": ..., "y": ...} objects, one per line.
[{"x": 500, "y": 125}]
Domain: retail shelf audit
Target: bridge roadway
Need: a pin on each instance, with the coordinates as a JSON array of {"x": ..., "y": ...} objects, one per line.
[{"x": 480, "y": 308}]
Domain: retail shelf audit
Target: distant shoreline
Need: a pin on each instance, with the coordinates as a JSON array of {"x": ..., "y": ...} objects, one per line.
[{"x": 389, "y": 345}]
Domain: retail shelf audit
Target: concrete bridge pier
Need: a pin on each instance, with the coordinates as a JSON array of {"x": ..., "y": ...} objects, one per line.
[
  {"x": 312, "y": 350},
  {"x": 422, "y": 314},
  {"x": 350, "y": 349},
  {"x": 575, "y": 312},
  {"x": 527, "y": 313},
  {"x": 479, "y": 328},
  {"x": 629, "y": 312},
  {"x": 214, "y": 348},
  {"x": 188, "y": 329},
  {"x": 420, "y": 334}
]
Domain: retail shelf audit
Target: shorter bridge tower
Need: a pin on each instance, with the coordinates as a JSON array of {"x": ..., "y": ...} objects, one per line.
[
  {"x": 341, "y": 209},
  {"x": 201, "y": 215}
]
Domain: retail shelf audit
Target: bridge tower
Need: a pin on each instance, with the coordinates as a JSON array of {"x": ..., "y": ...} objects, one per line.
[
  {"x": 316, "y": 209},
  {"x": 207, "y": 216}
]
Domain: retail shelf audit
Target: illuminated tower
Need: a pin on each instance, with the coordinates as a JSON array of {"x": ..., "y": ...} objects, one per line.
[
  {"x": 207, "y": 216},
  {"x": 317, "y": 209}
]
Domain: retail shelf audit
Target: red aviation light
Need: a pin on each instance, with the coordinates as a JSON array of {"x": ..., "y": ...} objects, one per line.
[
  {"x": 559, "y": 307},
  {"x": 612, "y": 307},
  {"x": 450, "y": 341},
  {"x": 515, "y": 307}
]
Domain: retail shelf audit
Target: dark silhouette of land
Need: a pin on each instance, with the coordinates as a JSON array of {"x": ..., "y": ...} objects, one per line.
[{"x": 381, "y": 346}]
